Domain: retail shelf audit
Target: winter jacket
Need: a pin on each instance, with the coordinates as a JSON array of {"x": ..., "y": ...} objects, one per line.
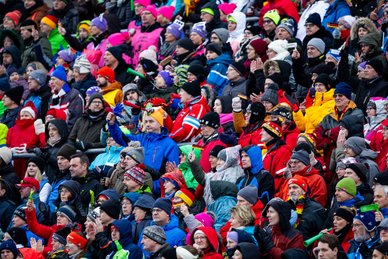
[
  {"x": 7, "y": 173},
  {"x": 116, "y": 180},
  {"x": 217, "y": 75},
  {"x": 323, "y": 105},
  {"x": 235, "y": 88},
  {"x": 68, "y": 17},
  {"x": 57, "y": 42},
  {"x": 90, "y": 187},
  {"x": 250, "y": 134},
  {"x": 139, "y": 227},
  {"x": 95, "y": 50},
  {"x": 230, "y": 171},
  {"x": 83, "y": 85},
  {"x": 32, "y": 49},
  {"x": 224, "y": 195},
  {"x": 214, "y": 244},
  {"x": 319, "y": 7},
  {"x": 275, "y": 162},
  {"x": 121, "y": 74},
  {"x": 286, "y": 6},
  {"x": 364, "y": 249},
  {"x": 121, "y": 10},
  {"x": 290, "y": 135},
  {"x": 7, "y": 209},
  {"x": 9, "y": 116},
  {"x": 257, "y": 176},
  {"x": 303, "y": 72},
  {"x": 336, "y": 10},
  {"x": 109, "y": 159},
  {"x": 208, "y": 144},
  {"x": 186, "y": 125},
  {"x": 40, "y": 99},
  {"x": 376, "y": 87},
  {"x": 360, "y": 22},
  {"x": 69, "y": 100},
  {"x": 53, "y": 196},
  {"x": 159, "y": 148},
  {"x": 373, "y": 123}
]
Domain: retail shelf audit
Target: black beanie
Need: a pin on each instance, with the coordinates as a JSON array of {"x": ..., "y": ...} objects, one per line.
[
  {"x": 15, "y": 94},
  {"x": 239, "y": 67},
  {"x": 163, "y": 204},
  {"x": 215, "y": 47},
  {"x": 148, "y": 65},
  {"x": 116, "y": 52},
  {"x": 214, "y": 152},
  {"x": 29, "y": 23},
  {"x": 211, "y": 119},
  {"x": 40, "y": 163},
  {"x": 186, "y": 44},
  {"x": 257, "y": 113},
  {"x": 199, "y": 71},
  {"x": 192, "y": 88},
  {"x": 360, "y": 169},
  {"x": 96, "y": 96},
  {"x": 314, "y": 18},
  {"x": 66, "y": 151},
  {"x": 324, "y": 79},
  {"x": 61, "y": 235},
  {"x": 18, "y": 235},
  {"x": 276, "y": 78},
  {"x": 112, "y": 208},
  {"x": 377, "y": 65}
]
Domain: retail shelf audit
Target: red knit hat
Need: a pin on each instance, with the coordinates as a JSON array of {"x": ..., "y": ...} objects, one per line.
[
  {"x": 77, "y": 239},
  {"x": 14, "y": 16},
  {"x": 261, "y": 47},
  {"x": 57, "y": 114},
  {"x": 108, "y": 73},
  {"x": 300, "y": 181},
  {"x": 274, "y": 129}
]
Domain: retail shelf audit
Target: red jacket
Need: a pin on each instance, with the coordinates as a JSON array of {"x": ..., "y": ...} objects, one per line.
[
  {"x": 379, "y": 144},
  {"x": 207, "y": 147},
  {"x": 250, "y": 138},
  {"x": 345, "y": 243},
  {"x": 42, "y": 231},
  {"x": 214, "y": 245},
  {"x": 283, "y": 242},
  {"x": 290, "y": 135},
  {"x": 186, "y": 124},
  {"x": 284, "y": 7},
  {"x": 275, "y": 161}
]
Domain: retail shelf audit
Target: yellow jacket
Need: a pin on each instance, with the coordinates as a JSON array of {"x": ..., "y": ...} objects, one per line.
[{"x": 323, "y": 104}]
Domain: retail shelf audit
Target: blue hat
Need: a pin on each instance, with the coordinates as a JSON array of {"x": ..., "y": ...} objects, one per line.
[
  {"x": 145, "y": 201},
  {"x": 131, "y": 196},
  {"x": 335, "y": 53},
  {"x": 9, "y": 245},
  {"x": 4, "y": 84},
  {"x": 175, "y": 30},
  {"x": 200, "y": 29},
  {"x": 59, "y": 73},
  {"x": 344, "y": 88},
  {"x": 163, "y": 204},
  {"x": 367, "y": 219},
  {"x": 68, "y": 212}
]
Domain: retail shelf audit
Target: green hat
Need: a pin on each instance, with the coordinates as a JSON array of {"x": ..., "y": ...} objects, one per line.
[
  {"x": 207, "y": 10},
  {"x": 186, "y": 149},
  {"x": 348, "y": 185},
  {"x": 272, "y": 15}
]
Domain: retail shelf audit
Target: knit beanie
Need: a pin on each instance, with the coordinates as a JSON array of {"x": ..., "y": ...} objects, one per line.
[
  {"x": 20, "y": 212},
  {"x": 14, "y": 16},
  {"x": 257, "y": 113},
  {"x": 158, "y": 114},
  {"x": 357, "y": 144},
  {"x": 222, "y": 34},
  {"x": 175, "y": 30},
  {"x": 302, "y": 156},
  {"x": 227, "y": 8},
  {"x": 334, "y": 53},
  {"x": 61, "y": 235},
  {"x": 4, "y": 84},
  {"x": 344, "y": 89},
  {"x": 383, "y": 248},
  {"x": 360, "y": 169},
  {"x": 9, "y": 245},
  {"x": 186, "y": 44},
  {"x": 155, "y": 233},
  {"x": 6, "y": 154},
  {"x": 347, "y": 21},
  {"x": 107, "y": 73},
  {"x": 68, "y": 212},
  {"x": 348, "y": 185},
  {"x": 200, "y": 29},
  {"x": 193, "y": 88},
  {"x": 315, "y": 19},
  {"x": 215, "y": 47},
  {"x": 29, "y": 23},
  {"x": 39, "y": 76},
  {"x": 211, "y": 119},
  {"x": 271, "y": 94},
  {"x": 151, "y": 9},
  {"x": 273, "y": 15},
  {"x": 93, "y": 90},
  {"x": 282, "y": 111},
  {"x": 137, "y": 154},
  {"x": 186, "y": 196},
  {"x": 273, "y": 128},
  {"x": 215, "y": 150},
  {"x": 112, "y": 208},
  {"x": 78, "y": 239},
  {"x": 318, "y": 44},
  {"x": 261, "y": 47},
  {"x": 198, "y": 70},
  {"x": 67, "y": 151},
  {"x": 85, "y": 24},
  {"x": 250, "y": 194},
  {"x": 300, "y": 181},
  {"x": 18, "y": 235},
  {"x": 50, "y": 21},
  {"x": 279, "y": 46},
  {"x": 163, "y": 204},
  {"x": 368, "y": 219},
  {"x": 239, "y": 67},
  {"x": 376, "y": 65},
  {"x": 82, "y": 64},
  {"x": 167, "y": 11},
  {"x": 168, "y": 79},
  {"x": 100, "y": 22},
  {"x": 148, "y": 65},
  {"x": 67, "y": 55},
  {"x": 325, "y": 80},
  {"x": 136, "y": 174},
  {"x": 345, "y": 214},
  {"x": 38, "y": 161},
  {"x": 59, "y": 73},
  {"x": 150, "y": 54},
  {"x": 118, "y": 38},
  {"x": 288, "y": 26},
  {"x": 142, "y": 2},
  {"x": 145, "y": 201},
  {"x": 15, "y": 94},
  {"x": 206, "y": 218}
]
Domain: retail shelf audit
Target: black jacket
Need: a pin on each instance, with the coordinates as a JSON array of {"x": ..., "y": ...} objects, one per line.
[{"x": 377, "y": 87}]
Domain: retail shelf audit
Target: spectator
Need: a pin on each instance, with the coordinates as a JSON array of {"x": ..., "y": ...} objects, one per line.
[
  {"x": 83, "y": 78},
  {"x": 113, "y": 58},
  {"x": 205, "y": 239},
  {"x": 142, "y": 211},
  {"x": 110, "y": 88},
  {"x": 328, "y": 247},
  {"x": 67, "y": 14},
  {"x": 246, "y": 250},
  {"x": 342, "y": 226},
  {"x": 237, "y": 81},
  {"x": 48, "y": 27},
  {"x": 7, "y": 205},
  {"x": 76, "y": 244},
  {"x": 381, "y": 198},
  {"x": 154, "y": 241},
  {"x": 40, "y": 93},
  {"x": 336, "y": 10},
  {"x": 11, "y": 101}
]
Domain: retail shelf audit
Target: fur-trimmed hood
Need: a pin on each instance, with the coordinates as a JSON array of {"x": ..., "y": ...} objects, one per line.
[{"x": 362, "y": 22}]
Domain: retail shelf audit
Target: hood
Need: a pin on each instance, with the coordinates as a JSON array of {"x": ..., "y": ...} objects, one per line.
[
  {"x": 248, "y": 250},
  {"x": 18, "y": 41},
  {"x": 211, "y": 235},
  {"x": 243, "y": 236},
  {"x": 226, "y": 103},
  {"x": 73, "y": 186},
  {"x": 223, "y": 188},
  {"x": 110, "y": 193},
  {"x": 280, "y": 66},
  {"x": 186, "y": 149},
  {"x": 322, "y": 98},
  {"x": 224, "y": 59},
  {"x": 232, "y": 158},
  {"x": 354, "y": 125},
  {"x": 254, "y": 153},
  {"x": 125, "y": 228},
  {"x": 62, "y": 129},
  {"x": 381, "y": 113},
  {"x": 284, "y": 211},
  {"x": 362, "y": 22},
  {"x": 15, "y": 53},
  {"x": 373, "y": 39},
  {"x": 241, "y": 21}
]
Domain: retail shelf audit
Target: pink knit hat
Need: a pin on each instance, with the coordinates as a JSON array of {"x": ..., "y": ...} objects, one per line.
[
  {"x": 151, "y": 9},
  {"x": 118, "y": 38},
  {"x": 206, "y": 219},
  {"x": 142, "y": 2},
  {"x": 167, "y": 11},
  {"x": 227, "y": 8}
]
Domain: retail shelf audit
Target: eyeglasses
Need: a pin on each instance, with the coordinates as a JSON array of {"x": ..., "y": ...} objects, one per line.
[
  {"x": 267, "y": 21},
  {"x": 308, "y": 25}
]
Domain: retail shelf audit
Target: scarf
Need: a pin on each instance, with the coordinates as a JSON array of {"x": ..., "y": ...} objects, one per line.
[
  {"x": 24, "y": 123},
  {"x": 299, "y": 207},
  {"x": 167, "y": 48},
  {"x": 52, "y": 141}
]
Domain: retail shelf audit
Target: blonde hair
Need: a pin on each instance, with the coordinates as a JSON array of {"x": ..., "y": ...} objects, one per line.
[
  {"x": 38, "y": 175},
  {"x": 245, "y": 214}
]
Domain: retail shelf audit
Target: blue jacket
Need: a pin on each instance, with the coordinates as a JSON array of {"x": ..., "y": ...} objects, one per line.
[
  {"x": 106, "y": 160},
  {"x": 158, "y": 148},
  {"x": 217, "y": 76},
  {"x": 336, "y": 10},
  {"x": 354, "y": 249},
  {"x": 125, "y": 229}
]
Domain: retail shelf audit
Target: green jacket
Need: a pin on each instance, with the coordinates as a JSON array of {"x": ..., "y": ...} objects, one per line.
[{"x": 57, "y": 42}]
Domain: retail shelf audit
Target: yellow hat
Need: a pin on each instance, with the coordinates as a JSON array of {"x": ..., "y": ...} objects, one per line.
[{"x": 157, "y": 113}]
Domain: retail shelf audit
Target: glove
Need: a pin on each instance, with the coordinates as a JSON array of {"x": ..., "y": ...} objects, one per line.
[
  {"x": 39, "y": 127},
  {"x": 264, "y": 239},
  {"x": 336, "y": 34},
  {"x": 236, "y": 104},
  {"x": 82, "y": 145},
  {"x": 118, "y": 109}
]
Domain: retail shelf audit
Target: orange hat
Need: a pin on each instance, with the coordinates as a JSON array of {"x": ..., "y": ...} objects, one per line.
[
  {"x": 108, "y": 73},
  {"x": 50, "y": 21},
  {"x": 77, "y": 239},
  {"x": 14, "y": 16},
  {"x": 158, "y": 114}
]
